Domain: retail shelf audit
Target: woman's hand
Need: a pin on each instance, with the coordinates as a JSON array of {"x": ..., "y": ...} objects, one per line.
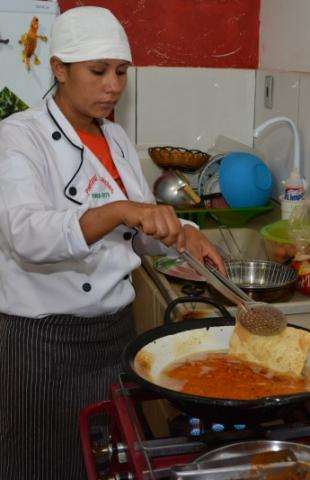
[
  {"x": 161, "y": 222},
  {"x": 201, "y": 248},
  {"x": 158, "y": 221}
]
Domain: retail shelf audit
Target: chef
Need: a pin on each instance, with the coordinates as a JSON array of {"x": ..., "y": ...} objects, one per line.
[{"x": 73, "y": 197}]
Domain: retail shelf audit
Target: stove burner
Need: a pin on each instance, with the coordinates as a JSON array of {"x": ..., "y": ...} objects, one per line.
[
  {"x": 194, "y": 427},
  {"x": 138, "y": 450}
]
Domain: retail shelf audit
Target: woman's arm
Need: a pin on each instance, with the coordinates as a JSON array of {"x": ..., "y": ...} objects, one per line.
[{"x": 158, "y": 221}]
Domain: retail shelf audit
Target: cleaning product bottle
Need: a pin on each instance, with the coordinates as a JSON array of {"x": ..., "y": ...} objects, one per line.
[
  {"x": 294, "y": 191},
  {"x": 294, "y": 187}
]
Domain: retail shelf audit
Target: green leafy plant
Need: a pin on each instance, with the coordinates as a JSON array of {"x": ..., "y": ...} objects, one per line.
[{"x": 10, "y": 103}]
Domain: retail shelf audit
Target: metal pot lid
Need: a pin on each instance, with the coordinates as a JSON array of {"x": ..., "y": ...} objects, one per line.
[
  {"x": 301, "y": 451},
  {"x": 249, "y": 461}
]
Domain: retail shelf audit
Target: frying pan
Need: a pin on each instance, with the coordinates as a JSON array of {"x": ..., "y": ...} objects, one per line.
[{"x": 148, "y": 354}]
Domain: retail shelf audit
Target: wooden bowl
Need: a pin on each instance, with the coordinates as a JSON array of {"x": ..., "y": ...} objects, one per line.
[{"x": 177, "y": 157}]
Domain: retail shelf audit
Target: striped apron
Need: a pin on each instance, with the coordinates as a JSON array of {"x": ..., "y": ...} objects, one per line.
[{"x": 50, "y": 369}]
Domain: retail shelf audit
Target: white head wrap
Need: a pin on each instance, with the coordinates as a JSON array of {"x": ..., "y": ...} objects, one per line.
[{"x": 88, "y": 33}]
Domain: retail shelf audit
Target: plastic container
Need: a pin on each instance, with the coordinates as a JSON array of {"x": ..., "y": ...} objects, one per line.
[
  {"x": 245, "y": 180},
  {"x": 280, "y": 246}
]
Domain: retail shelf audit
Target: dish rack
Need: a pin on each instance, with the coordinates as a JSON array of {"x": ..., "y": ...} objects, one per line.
[{"x": 229, "y": 217}]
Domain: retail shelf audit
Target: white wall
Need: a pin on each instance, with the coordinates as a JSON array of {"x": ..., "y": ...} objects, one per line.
[
  {"x": 285, "y": 54},
  {"x": 285, "y": 35},
  {"x": 186, "y": 107},
  {"x": 189, "y": 107},
  {"x": 276, "y": 142},
  {"x": 291, "y": 99}
]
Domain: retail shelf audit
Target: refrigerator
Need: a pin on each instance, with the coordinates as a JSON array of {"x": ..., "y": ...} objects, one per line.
[{"x": 25, "y": 28}]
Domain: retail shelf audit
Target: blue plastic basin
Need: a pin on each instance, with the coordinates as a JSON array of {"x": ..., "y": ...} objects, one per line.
[{"x": 245, "y": 180}]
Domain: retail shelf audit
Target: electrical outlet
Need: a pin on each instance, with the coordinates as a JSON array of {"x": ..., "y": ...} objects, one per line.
[{"x": 268, "y": 96}]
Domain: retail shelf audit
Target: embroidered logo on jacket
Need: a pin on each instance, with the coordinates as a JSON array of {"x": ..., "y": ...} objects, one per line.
[{"x": 99, "y": 188}]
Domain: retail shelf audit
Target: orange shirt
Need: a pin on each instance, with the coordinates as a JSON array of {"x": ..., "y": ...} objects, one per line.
[{"x": 99, "y": 146}]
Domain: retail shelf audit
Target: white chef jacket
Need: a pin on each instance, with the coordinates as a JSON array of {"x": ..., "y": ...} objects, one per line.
[{"x": 48, "y": 179}]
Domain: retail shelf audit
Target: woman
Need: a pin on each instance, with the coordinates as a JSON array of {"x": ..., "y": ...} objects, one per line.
[{"x": 72, "y": 196}]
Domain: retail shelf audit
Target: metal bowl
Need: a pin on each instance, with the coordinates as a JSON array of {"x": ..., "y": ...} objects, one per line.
[
  {"x": 169, "y": 189},
  {"x": 263, "y": 280}
]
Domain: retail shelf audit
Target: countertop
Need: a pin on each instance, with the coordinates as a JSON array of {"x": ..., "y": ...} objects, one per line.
[{"x": 297, "y": 309}]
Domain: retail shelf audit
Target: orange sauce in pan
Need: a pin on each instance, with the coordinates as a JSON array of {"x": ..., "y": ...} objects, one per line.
[
  {"x": 221, "y": 375},
  {"x": 291, "y": 473}
]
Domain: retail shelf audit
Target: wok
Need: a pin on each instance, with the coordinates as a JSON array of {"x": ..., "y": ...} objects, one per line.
[{"x": 150, "y": 352}]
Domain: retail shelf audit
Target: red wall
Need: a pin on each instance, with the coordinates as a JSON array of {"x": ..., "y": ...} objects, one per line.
[{"x": 187, "y": 33}]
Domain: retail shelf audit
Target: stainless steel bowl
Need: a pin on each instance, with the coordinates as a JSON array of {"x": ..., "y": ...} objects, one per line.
[{"x": 263, "y": 280}]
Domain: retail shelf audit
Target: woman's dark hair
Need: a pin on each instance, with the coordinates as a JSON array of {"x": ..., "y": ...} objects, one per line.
[
  {"x": 51, "y": 88},
  {"x": 55, "y": 83}
]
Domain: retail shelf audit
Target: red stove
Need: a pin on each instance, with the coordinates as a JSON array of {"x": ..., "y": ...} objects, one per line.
[{"x": 147, "y": 436}]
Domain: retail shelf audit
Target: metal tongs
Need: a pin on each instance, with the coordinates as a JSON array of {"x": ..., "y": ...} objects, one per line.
[
  {"x": 257, "y": 317},
  {"x": 225, "y": 286}
]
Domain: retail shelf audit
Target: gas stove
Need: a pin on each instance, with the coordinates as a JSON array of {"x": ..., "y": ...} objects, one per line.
[{"x": 137, "y": 436}]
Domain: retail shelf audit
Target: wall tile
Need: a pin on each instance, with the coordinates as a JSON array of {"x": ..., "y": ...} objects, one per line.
[
  {"x": 126, "y": 115},
  {"x": 285, "y": 35},
  {"x": 304, "y": 122},
  {"x": 125, "y": 112},
  {"x": 276, "y": 142},
  {"x": 190, "y": 107},
  {"x": 150, "y": 169}
]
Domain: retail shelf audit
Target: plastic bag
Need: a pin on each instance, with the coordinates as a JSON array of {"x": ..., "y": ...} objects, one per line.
[
  {"x": 299, "y": 225},
  {"x": 299, "y": 229}
]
